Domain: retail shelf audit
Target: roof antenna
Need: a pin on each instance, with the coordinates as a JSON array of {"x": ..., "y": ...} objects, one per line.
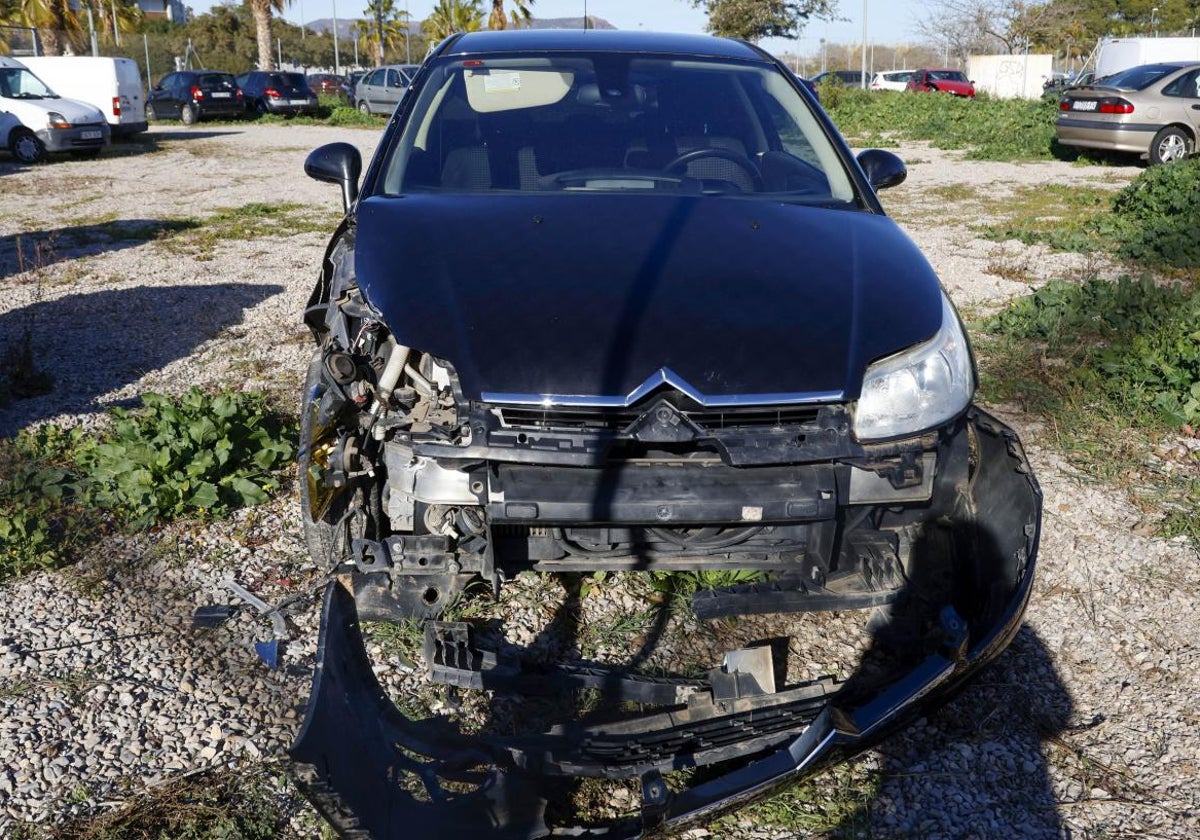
[{"x": 585, "y": 17}]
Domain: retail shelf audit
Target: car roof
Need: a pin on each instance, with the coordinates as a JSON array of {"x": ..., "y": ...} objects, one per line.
[{"x": 593, "y": 40}]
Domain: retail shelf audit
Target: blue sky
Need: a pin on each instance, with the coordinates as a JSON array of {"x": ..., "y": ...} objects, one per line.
[{"x": 889, "y": 21}]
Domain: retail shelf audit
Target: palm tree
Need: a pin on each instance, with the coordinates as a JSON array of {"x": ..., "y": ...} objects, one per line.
[
  {"x": 386, "y": 28},
  {"x": 450, "y": 16},
  {"x": 520, "y": 14},
  {"x": 261, "y": 10}
]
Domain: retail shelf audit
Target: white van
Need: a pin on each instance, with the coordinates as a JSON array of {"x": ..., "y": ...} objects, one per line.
[
  {"x": 113, "y": 85},
  {"x": 47, "y": 122}
]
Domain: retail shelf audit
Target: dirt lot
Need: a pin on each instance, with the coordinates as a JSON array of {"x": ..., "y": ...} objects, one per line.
[{"x": 187, "y": 260}]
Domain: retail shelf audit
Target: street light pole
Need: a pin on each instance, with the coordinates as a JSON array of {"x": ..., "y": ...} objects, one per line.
[
  {"x": 337, "y": 61},
  {"x": 864, "y": 47}
]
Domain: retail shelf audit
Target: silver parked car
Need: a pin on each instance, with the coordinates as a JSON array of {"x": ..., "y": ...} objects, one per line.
[
  {"x": 379, "y": 90},
  {"x": 1152, "y": 110}
]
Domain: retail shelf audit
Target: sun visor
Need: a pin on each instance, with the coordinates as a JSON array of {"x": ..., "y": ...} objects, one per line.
[{"x": 489, "y": 90}]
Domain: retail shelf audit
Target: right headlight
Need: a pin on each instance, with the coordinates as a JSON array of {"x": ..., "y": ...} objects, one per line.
[{"x": 919, "y": 388}]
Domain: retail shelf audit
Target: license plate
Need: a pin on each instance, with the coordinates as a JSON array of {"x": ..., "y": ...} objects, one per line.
[
  {"x": 1084, "y": 105},
  {"x": 220, "y": 94},
  {"x": 298, "y": 102},
  {"x": 90, "y": 135}
]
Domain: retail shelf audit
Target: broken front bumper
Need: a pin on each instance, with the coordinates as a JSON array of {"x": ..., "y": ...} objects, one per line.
[{"x": 374, "y": 772}]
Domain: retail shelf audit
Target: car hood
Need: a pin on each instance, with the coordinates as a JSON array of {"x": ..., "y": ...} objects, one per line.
[
  {"x": 598, "y": 294},
  {"x": 953, "y": 86},
  {"x": 73, "y": 110}
]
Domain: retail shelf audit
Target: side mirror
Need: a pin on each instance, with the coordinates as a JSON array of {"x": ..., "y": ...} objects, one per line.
[
  {"x": 883, "y": 169},
  {"x": 338, "y": 163}
]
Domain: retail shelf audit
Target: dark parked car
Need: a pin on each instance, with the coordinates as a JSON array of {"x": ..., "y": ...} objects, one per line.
[
  {"x": 192, "y": 95},
  {"x": 621, "y": 302},
  {"x": 380, "y": 89},
  {"x": 852, "y": 78},
  {"x": 326, "y": 84},
  {"x": 953, "y": 82},
  {"x": 278, "y": 93}
]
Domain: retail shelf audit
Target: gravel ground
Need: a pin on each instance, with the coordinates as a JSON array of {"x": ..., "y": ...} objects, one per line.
[{"x": 1086, "y": 727}]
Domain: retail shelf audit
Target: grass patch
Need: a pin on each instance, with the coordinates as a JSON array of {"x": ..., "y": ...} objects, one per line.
[
  {"x": 986, "y": 128},
  {"x": 198, "y": 455},
  {"x": 1133, "y": 345},
  {"x": 832, "y": 805},
  {"x": 1151, "y": 221},
  {"x": 199, "y": 238},
  {"x": 214, "y": 805},
  {"x": 1114, "y": 368}
]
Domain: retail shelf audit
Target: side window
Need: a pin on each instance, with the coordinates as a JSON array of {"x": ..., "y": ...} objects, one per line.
[
  {"x": 1187, "y": 85},
  {"x": 376, "y": 78},
  {"x": 167, "y": 81},
  {"x": 393, "y": 78}
]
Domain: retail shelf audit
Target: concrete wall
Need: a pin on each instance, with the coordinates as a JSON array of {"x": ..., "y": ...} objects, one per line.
[{"x": 1010, "y": 76}]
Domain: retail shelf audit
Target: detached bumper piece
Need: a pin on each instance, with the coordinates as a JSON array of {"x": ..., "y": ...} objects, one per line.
[{"x": 373, "y": 772}]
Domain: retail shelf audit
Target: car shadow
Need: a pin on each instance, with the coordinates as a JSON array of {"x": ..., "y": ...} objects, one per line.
[
  {"x": 976, "y": 766},
  {"x": 88, "y": 345},
  {"x": 40, "y": 248}
]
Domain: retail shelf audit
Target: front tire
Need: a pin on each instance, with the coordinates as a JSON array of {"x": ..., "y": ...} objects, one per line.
[
  {"x": 1171, "y": 144},
  {"x": 151, "y": 114},
  {"x": 354, "y": 512},
  {"x": 26, "y": 147},
  {"x": 364, "y": 108}
]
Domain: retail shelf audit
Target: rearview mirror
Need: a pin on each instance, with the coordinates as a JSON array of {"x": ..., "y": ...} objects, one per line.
[{"x": 336, "y": 163}]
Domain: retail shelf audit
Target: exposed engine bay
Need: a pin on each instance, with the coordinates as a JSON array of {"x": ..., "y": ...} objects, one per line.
[{"x": 413, "y": 491}]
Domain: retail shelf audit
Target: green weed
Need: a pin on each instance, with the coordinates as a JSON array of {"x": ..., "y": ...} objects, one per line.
[
  {"x": 197, "y": 455},
  {"x": 1113, "y": 367},
  {"x": 986, "y": 128},
  {"x": 1151, "y": 221}
]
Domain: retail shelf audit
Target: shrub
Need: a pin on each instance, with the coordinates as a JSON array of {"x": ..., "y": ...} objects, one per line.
[{"x": 1154, "y": 218}]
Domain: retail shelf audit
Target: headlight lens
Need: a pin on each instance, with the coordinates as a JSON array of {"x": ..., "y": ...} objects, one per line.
[
  {"x": 57, "y": 120},
  {"x": 919, "y": 388}
]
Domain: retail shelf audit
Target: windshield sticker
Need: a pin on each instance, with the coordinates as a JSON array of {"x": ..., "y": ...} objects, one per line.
[{"x": 502, "y": 82}]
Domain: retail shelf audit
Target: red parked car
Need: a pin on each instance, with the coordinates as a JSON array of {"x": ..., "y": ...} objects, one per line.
[
  {"x": 326, "y": 83},
  {"x": 953, "y": 82}
]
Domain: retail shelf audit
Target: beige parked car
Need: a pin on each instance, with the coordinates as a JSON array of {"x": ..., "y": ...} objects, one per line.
[{"x": 1152, "y": 110}]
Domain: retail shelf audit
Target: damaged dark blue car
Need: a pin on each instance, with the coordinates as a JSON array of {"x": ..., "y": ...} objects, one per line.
[{"x": 614, "y": 302}]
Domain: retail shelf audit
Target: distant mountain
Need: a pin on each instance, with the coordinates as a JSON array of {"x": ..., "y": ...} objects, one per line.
[
  {"x": 325, "y": 26},
  {"x": 346, "y": 25}
]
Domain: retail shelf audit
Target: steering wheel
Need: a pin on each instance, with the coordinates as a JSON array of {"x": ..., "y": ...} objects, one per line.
[{"x": 680, "y": 164}]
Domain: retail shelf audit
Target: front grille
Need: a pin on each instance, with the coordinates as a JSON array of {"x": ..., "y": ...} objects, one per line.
[{"x": 618, "y": 419}]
